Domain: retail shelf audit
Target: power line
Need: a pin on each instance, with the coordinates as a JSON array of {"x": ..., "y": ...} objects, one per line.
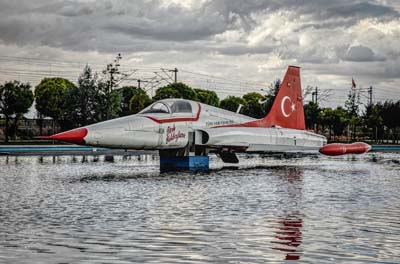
[
  {"x": 222, "y": 78},
  {"x": 34, "y": 69}
]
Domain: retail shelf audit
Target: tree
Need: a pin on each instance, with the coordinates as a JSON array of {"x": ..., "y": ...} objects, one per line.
[
  {"x": 15, "y": 99},
  {"x": 110, "y": 98},
  {"x": 327, "y": 120},
  {"x": 89, "y": 102},
  {"x": 126, "y": 94},
  {"x": 339, "y": 121},
  {"x": 352, "y": 110},
  {"x": 207, "y": 97},
  {"x": 334, "y": 119},
  {"x": 176, "y": 90},
  {"x": 80, "y": 101},
  {"x": 273, "y": 91},
  {"x": 311, "y": 114},
  {"x": 390, "y": 115},
  {"x": 139, "y": 101},
  {"x": 253, "y": 107},
  {"x": 107, "y": 102},
  {"x": 396, "y": 112},
  {"x": 50, "y": 96},
  {"x": 231, "y": 103},
  {"x": 352, "y": 104},
  {"x": 373, "y": 119}
]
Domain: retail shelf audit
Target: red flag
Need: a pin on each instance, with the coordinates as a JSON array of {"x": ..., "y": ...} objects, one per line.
[{"x": 353, "y": 83}]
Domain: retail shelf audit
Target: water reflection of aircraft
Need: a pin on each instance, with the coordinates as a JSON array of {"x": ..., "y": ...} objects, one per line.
[
  {"x": 178, "y": 128},
  {"x": 288, "y": 236},
  {"x": 288, "y": 231}
]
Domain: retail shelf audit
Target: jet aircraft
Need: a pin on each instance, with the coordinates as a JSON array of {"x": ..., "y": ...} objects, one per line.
[{"x": 184, "y": 128}]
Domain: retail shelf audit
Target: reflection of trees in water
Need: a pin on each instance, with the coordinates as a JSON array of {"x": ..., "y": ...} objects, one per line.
[{"x": 288, "y": 235}]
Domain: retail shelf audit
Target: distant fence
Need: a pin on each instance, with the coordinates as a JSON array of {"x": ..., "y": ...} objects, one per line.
[{"x": 28, "y": 128}]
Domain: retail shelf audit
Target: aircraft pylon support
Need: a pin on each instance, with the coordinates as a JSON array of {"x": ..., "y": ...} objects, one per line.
[{"x": 184, "y": 163}]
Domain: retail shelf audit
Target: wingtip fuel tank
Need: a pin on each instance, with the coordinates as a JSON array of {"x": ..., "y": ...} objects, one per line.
[{"x": 337, "y": 149}]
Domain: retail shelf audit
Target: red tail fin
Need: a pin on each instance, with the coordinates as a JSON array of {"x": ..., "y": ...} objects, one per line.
[{"x": 287, "y": 110}]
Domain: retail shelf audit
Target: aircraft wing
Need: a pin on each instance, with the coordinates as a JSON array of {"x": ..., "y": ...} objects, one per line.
[
  {"x": 257, "y": 139},
  {"x": 227, "y": 138}
]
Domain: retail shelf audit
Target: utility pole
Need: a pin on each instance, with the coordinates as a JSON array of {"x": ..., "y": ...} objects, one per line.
[
  {"x": 168, "y": 76},
  {"x": 315, "y": 95},
  {"x": 139, "y": 82},
  {"x": 370, "y": 95},
  {"x": 175, "y": 71},
  {"x": 176, "y": 74}
]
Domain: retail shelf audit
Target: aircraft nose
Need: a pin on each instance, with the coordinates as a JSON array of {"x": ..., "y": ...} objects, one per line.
[{"x": 75, "y": 136}]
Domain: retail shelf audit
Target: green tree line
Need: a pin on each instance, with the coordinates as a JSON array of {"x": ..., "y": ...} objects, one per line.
[{"x": 379, "y": 122}]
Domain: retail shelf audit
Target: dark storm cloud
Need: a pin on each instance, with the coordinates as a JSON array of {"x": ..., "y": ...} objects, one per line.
[
  {"x": 80, "y": 11},
  {"x": 361, "y": 54},
  {"x": 362, "y": 10},
  {"x": 180, "y": 28},
  {"x": 234, "y": 50},
  {"x": 77, "y": 25},
  {"x": 320, "y": 9},
  {"x": 324, "y": 36}
]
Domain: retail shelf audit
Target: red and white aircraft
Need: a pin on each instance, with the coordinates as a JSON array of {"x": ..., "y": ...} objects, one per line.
[{"x": 177, "y": 127}]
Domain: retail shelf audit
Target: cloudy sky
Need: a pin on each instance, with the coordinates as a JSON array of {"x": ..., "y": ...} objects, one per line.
[{"x": 246, "y": 42}]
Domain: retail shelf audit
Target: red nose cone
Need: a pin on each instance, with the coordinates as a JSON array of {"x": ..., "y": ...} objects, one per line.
[{"x": 75, "y": 136}]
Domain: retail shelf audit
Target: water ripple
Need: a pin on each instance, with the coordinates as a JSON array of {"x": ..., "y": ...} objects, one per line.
[{"x": 313, "y": 209}]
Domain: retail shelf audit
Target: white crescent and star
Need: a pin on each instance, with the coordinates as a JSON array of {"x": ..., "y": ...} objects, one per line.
[{"x": 292, "y": 107}]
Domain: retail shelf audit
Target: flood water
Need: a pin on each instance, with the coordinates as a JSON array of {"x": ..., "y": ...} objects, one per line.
[{"x": 312, "y": 209}]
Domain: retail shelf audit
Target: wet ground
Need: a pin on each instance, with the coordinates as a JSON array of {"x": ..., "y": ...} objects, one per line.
[{"x": 102, "y": 209}]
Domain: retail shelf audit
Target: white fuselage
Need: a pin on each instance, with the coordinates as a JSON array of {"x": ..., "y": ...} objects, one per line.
[{"x": 170, "y": 128}]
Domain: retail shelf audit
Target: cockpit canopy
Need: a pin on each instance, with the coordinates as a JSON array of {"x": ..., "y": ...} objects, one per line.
[
  {"x": 157, "y": 107},
  {"x": 181, "y": 106},
  {"x": 169, "y": 106}
]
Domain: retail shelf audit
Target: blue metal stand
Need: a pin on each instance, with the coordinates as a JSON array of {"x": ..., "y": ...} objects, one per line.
[{"x": 191, "y": 163}]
